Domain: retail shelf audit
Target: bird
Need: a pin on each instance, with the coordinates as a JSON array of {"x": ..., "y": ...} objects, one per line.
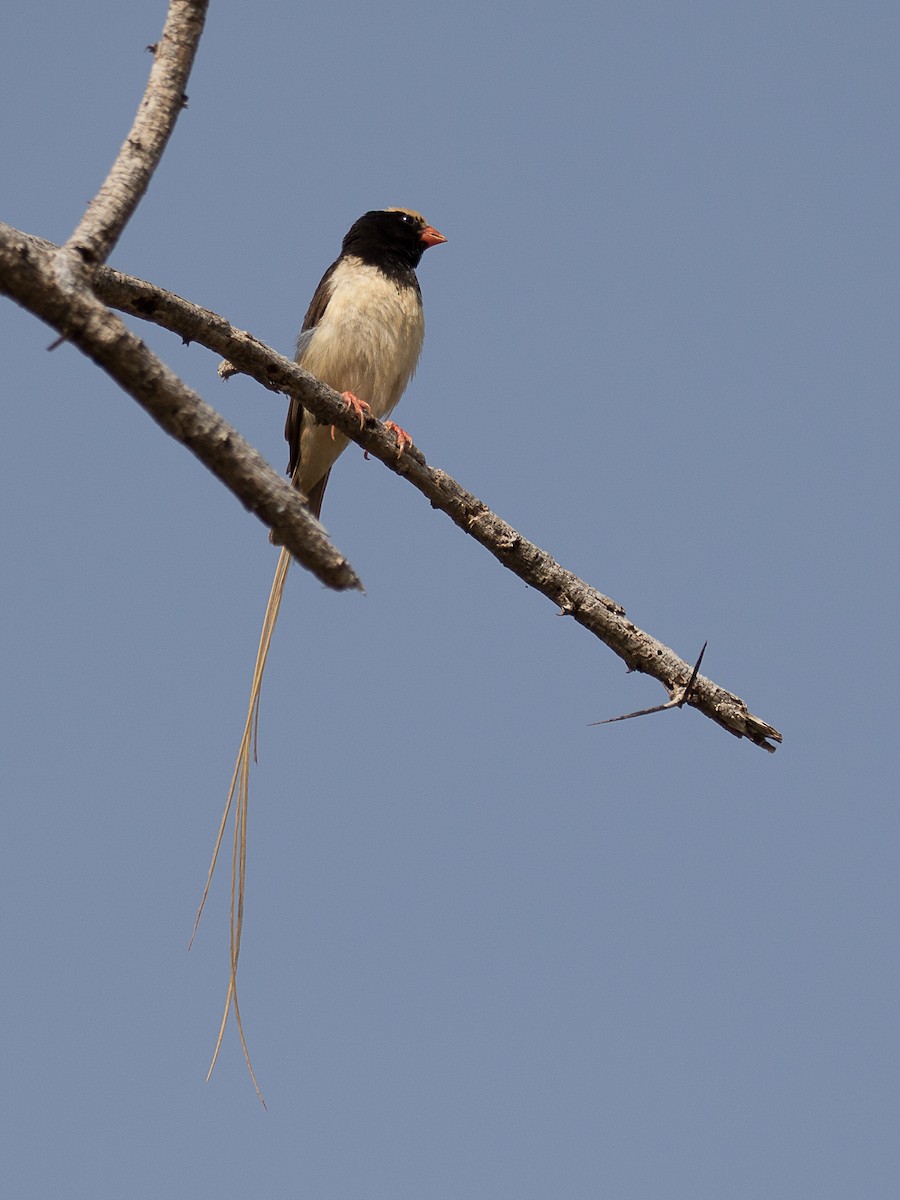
[{"x": 362, "y": 335}]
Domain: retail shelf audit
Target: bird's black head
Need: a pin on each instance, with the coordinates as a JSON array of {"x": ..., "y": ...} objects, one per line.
[{"x": 391, "y": 238}]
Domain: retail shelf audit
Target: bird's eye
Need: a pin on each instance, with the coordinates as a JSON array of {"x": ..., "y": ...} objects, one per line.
[{"x": 405, "y": 218}]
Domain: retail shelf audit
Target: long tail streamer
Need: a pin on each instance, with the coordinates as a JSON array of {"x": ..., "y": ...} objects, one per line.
[{"x": 240, "y": 788}]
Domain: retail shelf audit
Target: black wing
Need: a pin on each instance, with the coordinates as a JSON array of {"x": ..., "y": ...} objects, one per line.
[{"x": 294, "y": 423}]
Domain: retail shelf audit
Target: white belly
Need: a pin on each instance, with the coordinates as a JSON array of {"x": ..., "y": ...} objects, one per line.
[{"x": 368, "y": 342}]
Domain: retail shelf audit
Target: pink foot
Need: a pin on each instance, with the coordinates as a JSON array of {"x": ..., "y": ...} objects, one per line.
[
  {"x": 403, "y": 438},
  {"x": 358, "y": 406}
]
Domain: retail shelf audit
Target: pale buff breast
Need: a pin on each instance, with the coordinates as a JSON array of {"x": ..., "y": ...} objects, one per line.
[{"x": 368, "y": 342}]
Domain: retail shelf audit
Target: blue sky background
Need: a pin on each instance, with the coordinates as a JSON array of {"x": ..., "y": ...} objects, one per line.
[{"x": 490, "y": 953}]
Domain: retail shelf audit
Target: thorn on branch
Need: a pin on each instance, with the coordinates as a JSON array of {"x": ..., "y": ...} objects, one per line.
[{"x": 678, "y": 700}]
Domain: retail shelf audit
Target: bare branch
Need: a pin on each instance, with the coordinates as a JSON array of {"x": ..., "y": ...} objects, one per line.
[
  {"x": 27, "y": 274},
  {"x": 598, "y": 613},
  {"x": 164, "y": 97}
]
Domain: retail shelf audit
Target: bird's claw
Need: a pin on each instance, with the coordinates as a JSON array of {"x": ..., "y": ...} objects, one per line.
[
  {"x": 403, "y": 438},
  {"x": 355, "y": 405}
]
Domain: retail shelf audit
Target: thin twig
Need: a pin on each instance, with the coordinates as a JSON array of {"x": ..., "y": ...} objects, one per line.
[
  {"x": 596, "y": 612},
  {"x": 164, "y": 97}
]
